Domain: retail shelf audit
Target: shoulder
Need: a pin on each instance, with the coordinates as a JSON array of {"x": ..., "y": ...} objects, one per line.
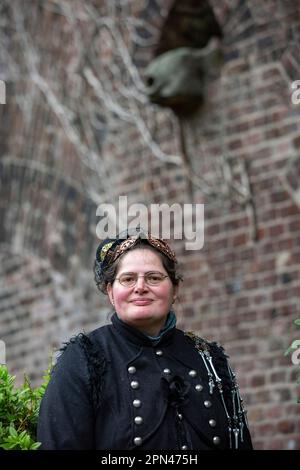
[
  {"x": 202, "y": 345},
  {"x": 86, "y": 344},
  {"x": 83, "y": 357},
  {"x": 214, "y": 352},
  {"x": 71, "y": 350}
]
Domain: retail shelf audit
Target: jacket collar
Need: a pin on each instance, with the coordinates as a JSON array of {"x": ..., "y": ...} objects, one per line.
[{"x": 137, "y": 337}]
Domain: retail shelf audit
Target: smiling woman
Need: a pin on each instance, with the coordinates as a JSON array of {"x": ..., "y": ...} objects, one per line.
[
  {"x": 143, "y": 293},
  {"x": 141, "y": 382}
]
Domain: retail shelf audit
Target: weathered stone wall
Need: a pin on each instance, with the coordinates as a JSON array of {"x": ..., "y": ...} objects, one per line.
[{"x": 242, "y": 289}]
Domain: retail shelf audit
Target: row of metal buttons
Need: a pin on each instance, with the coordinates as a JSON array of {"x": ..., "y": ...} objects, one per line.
[{"x": 137, "y": 403}]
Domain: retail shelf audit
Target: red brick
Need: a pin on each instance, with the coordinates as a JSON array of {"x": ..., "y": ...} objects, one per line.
[
  {"x": 281, "y": 294},
  {"x": 287, "y": 244},
  {"x": 235, "y": 144},
  {"x": 274, "y": 412},
  {"x": 258, "y": 380},
  {"x": 286, "y": 426},
  {"x": 278, "y": 377},
  {"x": 276, "y": 230},
  {"x": 266, "y": 429},
  {"x": 240, "y": 240},
  {"x": 251, "y": 284},
  {"x": 274, "y": 444},
  {"x": 290, "y": 210},
  {"x": 242, "y": 302},
  {"x": 213, "y": 229}
]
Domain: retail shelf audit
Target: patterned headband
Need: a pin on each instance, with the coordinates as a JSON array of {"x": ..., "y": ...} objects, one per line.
[{"x": 111, "y": 250}]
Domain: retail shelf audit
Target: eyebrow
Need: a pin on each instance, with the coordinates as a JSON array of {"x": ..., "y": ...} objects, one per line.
[{"x": 147, "y": 272}]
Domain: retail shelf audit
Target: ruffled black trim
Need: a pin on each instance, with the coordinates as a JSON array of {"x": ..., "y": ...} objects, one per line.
[
  {"x": 175, "y": 390},
  {"x": 219, "y": 358},
  {"x": 96, "y": 364}
]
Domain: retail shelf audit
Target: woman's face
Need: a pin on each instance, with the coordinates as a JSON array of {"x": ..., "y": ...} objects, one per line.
[{"x": 143, "y": 306}]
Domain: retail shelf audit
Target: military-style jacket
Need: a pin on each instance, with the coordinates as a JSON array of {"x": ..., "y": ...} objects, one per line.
[{"x": 115, "y": 389}]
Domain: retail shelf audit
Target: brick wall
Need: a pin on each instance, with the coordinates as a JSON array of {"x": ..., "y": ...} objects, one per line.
[{"x": 242, "y": 288}]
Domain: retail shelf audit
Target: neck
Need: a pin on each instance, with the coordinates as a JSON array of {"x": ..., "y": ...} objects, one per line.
[
  {"x": 142, "y": 333},
  {"x": 150, "y": 330}
]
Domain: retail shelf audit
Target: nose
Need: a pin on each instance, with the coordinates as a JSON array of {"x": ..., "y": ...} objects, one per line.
[{"x": 140, "y": 285}]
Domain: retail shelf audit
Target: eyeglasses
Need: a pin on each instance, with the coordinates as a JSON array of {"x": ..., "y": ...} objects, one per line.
[{"x": 151, "y": 279}]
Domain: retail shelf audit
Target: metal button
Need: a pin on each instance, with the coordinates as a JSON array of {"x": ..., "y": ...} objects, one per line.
[
  {"x": 184, "y": 447},
  {"x": 138, "y": 441},
  {"x": 138, "y": 420},
  {"x": 131, "y": 370},
  {"x": 167, "y": 371},
  {"x": 199, "y": 387},
  {"x": 134, "y": 384},
  {"x": 137, "y": 403},
  {"x": 159, "y": 352},
  {"x": 216, "y": 440},
  {"x": 212, "y": 423},
  {"x": 207, "y": 404},
  {"x": 192, "y": 373}
]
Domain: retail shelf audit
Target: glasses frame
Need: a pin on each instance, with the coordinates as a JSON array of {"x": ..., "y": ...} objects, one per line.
[{"x": 164, "y": 276}]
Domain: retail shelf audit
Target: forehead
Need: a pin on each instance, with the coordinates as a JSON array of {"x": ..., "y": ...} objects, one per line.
[{"x": 141, "y": 260}]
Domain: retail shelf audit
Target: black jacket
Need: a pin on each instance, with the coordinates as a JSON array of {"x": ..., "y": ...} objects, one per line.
[{"x": 113, "y": 389}]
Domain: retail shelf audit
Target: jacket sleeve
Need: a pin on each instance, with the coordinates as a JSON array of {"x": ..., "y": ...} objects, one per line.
[
  {"x": 66, "y": 414},
  {"x": 240, "y": 437}
]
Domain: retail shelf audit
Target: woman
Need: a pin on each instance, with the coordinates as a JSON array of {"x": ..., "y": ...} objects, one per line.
[{"x": 140, "y": 383}]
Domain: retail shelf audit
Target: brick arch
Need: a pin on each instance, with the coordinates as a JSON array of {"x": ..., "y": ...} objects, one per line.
[
  {"x": 40, "y": 308},
  {"x": 45, "y": 213},
  {"x": 27, "y": 311},
  {"x": 47, "y": 291},
  {"x": 46, "y": 275}
]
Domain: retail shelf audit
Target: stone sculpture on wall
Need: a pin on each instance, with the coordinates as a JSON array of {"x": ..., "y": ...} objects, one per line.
[{"x": 177, "y": 78}]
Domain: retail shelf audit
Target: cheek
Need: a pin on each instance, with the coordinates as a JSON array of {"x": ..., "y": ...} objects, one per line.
[
  {"x": 120, "y": 295},
  {"x": 165, "y": 294}
]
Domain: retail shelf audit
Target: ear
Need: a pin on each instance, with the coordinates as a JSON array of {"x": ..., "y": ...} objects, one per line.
[
  {"x": 175, "y": 292},
  {"x": 110, "y": 293}
]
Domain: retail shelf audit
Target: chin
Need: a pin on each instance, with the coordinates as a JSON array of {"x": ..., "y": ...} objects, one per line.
[
  {"x": 147, "y": 316},
  {"x": 143, "y": 313}
]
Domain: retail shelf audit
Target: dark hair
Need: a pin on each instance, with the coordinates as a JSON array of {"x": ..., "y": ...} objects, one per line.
[{"x": 109, "y": 274}]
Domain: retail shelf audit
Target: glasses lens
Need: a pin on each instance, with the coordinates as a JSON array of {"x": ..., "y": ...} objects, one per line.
[
  {"x": 154, "y": 278},
  {"x": 128, "y": 280}
]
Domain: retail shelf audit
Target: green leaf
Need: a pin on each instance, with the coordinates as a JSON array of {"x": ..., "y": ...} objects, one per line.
[
  {"x": 295, "y": 344},
  {"x": 35, "y": 445},
  {"x": 8, "y": 446},
  {"x": 297, "y": 321},
  {"x": 13, "y": 432},
  {"x": 288, "y": 351}
]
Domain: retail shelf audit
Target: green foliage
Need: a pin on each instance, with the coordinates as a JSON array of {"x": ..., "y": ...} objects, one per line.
[
  {"x": 295, "y": 348},
  {"x": 19, "y": 409}
]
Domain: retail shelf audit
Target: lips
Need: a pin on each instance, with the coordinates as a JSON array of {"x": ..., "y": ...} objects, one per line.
[{"x": 141, "y": 301}]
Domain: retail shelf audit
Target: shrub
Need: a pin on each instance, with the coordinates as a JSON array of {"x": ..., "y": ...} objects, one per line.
[
  {"x": 295, "y": 350},
  {"x": 19, "y": 409}
]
